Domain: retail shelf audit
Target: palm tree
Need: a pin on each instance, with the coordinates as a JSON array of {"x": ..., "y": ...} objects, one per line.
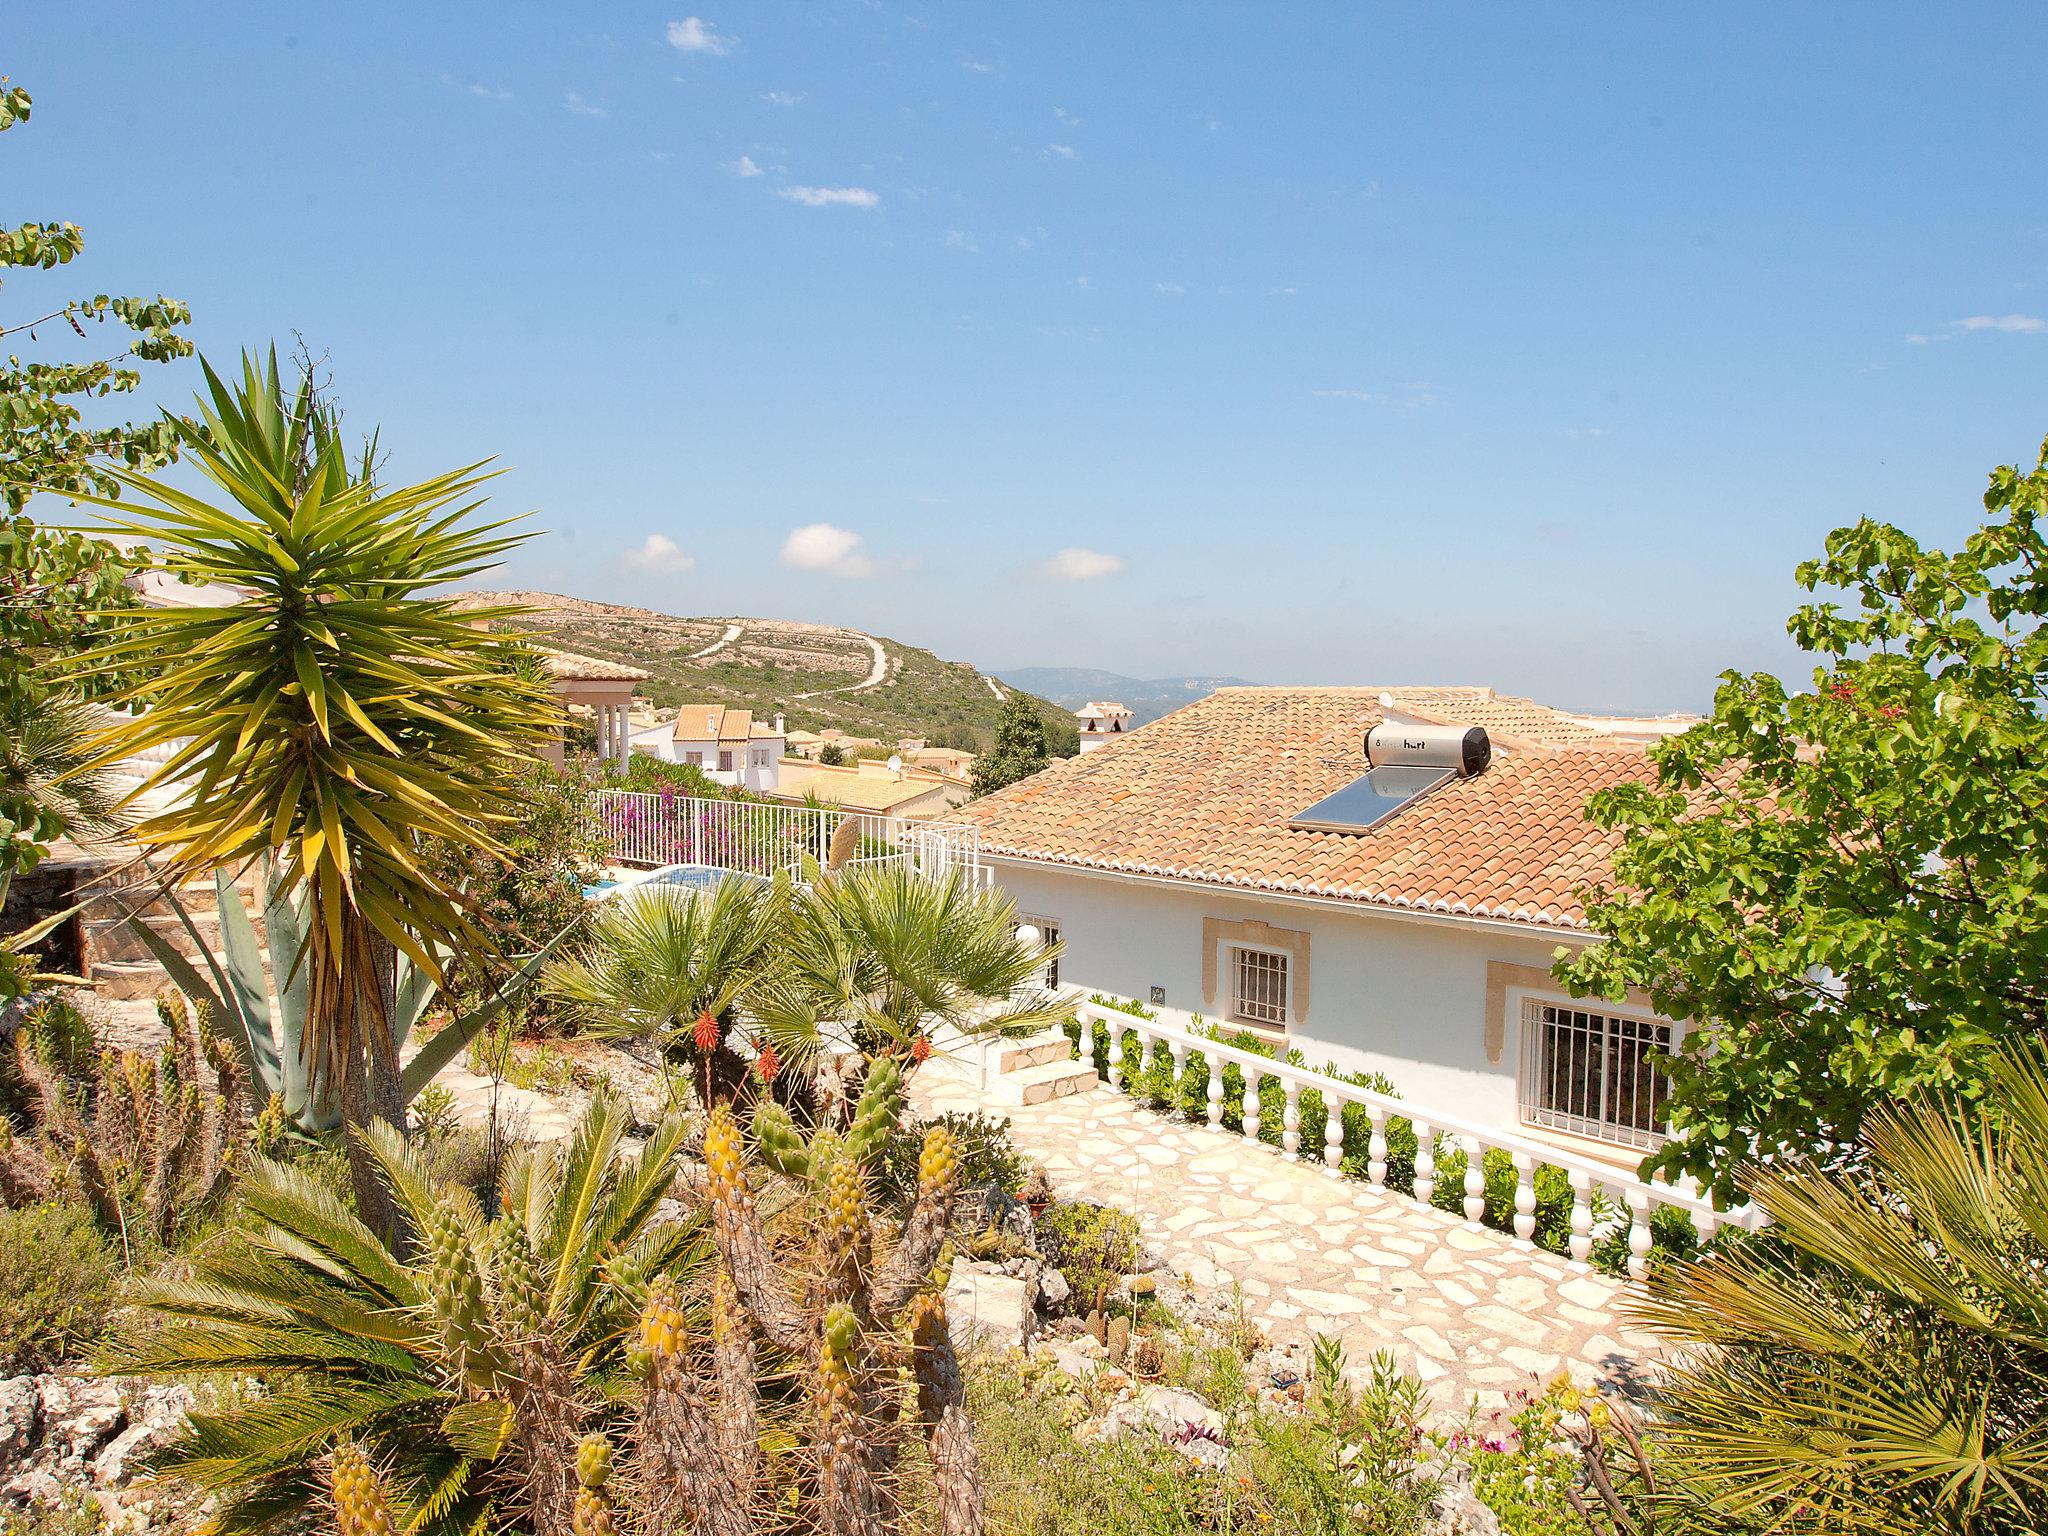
[
  {"x": 469, "y": 1373},
  {"x": 886, "y": 956},
  {"x": 43, "y": 747},
  {"x": 660, "y": 959},
  {"x": 335, "y": 718},
  {"x": 1877, "y": 1361}
]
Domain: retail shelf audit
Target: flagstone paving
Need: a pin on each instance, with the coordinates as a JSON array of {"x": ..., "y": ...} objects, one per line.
[{"x": 1473, "y": 1312}]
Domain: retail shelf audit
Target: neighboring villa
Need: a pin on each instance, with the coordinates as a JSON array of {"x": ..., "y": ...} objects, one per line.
[
  {"x": 1406, "y": 926},
  {"x": 602, "y": 690},
  {"x": 897, "y": 795},
  {"x": 729, "y": 745}
]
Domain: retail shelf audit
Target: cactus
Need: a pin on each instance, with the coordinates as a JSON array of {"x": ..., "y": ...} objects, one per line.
[
  {"x": 361, "y": 1507},
  {"x": 859, "y": 1310},
  {"x": 593, "y": 1510},
  {"x": 149, "y": 1143},
  {"x": 1118, "y": 1341}
]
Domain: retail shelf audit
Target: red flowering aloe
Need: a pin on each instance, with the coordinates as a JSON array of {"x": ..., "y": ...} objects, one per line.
[
  {"x": 767, "y": 1064},
  {"x": 920, "y": 1049},
  {"x": 706, "y": 1034}
]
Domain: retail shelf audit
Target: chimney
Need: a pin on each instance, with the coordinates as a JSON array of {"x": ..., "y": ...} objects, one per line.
[{"x": 778, "y": 724}]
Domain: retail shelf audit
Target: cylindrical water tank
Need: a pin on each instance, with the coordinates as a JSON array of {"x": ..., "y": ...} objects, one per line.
[{"x": 1411, "y": 744}]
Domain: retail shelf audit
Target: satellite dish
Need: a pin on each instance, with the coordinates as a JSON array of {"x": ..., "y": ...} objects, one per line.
[{"x": 895, "y": 763}]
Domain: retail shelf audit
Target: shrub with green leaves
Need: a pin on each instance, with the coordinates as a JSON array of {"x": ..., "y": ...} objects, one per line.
[
  {"x": 1094, "y": 1246},
  {"x": 57, "y": 1284},
  {"x": 987, "y": 1155}
]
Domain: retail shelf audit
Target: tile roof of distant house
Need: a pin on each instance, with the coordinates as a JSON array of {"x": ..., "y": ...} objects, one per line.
[
  {"x": 848, "y": 786},
  {"x": 568, "y": 666},
  {"x": 718, "y": 722},
  {"x": 1205, "y": 795}
]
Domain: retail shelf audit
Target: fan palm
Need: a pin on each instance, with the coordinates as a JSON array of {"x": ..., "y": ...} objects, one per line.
[
  {"x": 889, "y": 955},
  {"x": 469, "y": 1373},
  {"x": 333, "y": 719},
  {"x": 43, "y": 745},
  {"x": 1877, "y": 1361},
  {"x": 660, "y": 958}
]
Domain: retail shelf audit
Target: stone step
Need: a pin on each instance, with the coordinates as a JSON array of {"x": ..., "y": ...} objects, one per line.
[
  {"x": 1033, "y": 1051},
  {"x": 1050, "y": 1080},
  {"x": 119, "y": 981}
]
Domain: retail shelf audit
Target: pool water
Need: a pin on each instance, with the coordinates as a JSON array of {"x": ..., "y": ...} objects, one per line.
[{"x": 695, "y": 877}]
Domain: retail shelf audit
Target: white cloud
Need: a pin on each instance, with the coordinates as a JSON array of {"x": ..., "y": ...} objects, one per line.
[
  {"x": 743, "y": 167},
  {"x": 476, "y": 88},
  {"x": 1406, "y": 396},
  {"x": 1066, "y": 117},
  {"x": 2024, "y": 323},
  {"x": 1282, "y": 293},
  {"x": 661, "y": 553},
  {"x": 693, "y": 34},
  {"x": 1084, "y": 282},
  {"x": 1063, "y": 151},
  {"x": 831, "y": 197},
  {"x": 1076, "y": 564},
  {"x": 822, "y": 547},
  {"x": 574, "y": 101},
  {"x": 978, "y": 66},
  {"x": 1168, "y": 288},
  {"x": 782, "y": 98},
  {"x": 960, "y": 240}
]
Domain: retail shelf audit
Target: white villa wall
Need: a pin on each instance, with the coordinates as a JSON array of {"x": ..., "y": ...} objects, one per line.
[
  {"x": 756, "y": 767},
  {"x": 1393, "y": 994}
]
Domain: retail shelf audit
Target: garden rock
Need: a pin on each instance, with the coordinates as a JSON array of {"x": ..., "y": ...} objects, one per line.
[
  {"x": 1458, "y": 1511},
  {"x": 990, "y": 1309},
  {"x": 64, "y": 1437},
  {"x": 1053, "y": 1289}
]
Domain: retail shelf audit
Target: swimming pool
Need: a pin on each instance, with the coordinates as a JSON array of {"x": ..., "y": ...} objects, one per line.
[{"x": 694, "y": 877}]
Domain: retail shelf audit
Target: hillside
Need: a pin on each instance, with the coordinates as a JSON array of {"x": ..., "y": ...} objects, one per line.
[
  {"x": 1146, "y": 698},
  {"x": 818, "y": 675}
]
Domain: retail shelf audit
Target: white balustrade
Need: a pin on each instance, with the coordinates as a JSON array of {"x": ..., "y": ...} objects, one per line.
[
  {"x": 1182, "y": 1036},
  {"x": 1525, "y": 1197},
  {"x": 767, "y": 838}
]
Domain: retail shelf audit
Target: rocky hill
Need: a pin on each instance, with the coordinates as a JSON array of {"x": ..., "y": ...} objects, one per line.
[{"x": 818, "y": 675}]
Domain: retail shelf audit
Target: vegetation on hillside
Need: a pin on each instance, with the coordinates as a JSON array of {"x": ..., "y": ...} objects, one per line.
[{"x": 774, "y": 663}]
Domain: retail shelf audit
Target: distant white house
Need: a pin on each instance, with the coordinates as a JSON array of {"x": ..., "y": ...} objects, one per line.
[
  {"x": 730, "y": 746},
  {"x": 1244, "y": 859}
]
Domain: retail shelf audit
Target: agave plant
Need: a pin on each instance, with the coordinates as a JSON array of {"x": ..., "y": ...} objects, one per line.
[
  {"x": 1877, "y": 1361},
  {"x": 335, "y": 717},
  {"x": 232, "y": 985},
  {"x": 469, "y": 1374}
]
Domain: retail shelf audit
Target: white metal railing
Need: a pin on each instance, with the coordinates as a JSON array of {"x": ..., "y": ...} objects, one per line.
[
  {"x": 766, "y": 837},
  {"x": 1637, "y": 1196}
]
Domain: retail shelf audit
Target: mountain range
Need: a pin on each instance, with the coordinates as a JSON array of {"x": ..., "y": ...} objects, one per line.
[{"x": 1146, "y": 698}]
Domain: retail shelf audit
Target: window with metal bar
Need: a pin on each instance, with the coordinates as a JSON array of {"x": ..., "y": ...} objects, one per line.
[
  {"x": 1258, "y": 993},
  {"x": 1593, "y": 1073}
]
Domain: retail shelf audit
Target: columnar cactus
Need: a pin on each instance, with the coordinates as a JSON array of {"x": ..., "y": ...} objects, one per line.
[
  {"x": 361, "y": 1507},
  {"x": 150, "y": 1142},
  {"x": 861, "y": 1310},
  {"x": 593, "y": 1511}
]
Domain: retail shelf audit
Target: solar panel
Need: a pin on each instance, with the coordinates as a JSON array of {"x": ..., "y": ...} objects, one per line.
[{"x": 1366, "y": 802}]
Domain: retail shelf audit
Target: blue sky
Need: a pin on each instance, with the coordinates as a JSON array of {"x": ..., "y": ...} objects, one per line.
[{"x": 1529, "y": 346}]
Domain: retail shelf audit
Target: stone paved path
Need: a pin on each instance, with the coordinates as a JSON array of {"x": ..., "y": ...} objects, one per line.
[{"x": 1473, "y": 1312}]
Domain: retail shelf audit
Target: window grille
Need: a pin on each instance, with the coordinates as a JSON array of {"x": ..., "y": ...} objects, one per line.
[
  {"x": 694, "y": 759},
  {"x": 1592, "y": 1073},
  {"x": 1259, "y": 991},
  {"x": 725, "y": 762},
  {"x": 1049, "y": 930}
]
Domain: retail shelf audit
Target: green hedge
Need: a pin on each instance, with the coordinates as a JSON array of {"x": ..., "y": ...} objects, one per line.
[{"x": 1152, "y": 1081}]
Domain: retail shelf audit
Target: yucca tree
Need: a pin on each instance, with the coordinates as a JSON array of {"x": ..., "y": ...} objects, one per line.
[
  {"x": 333, "y": 719},
  {"x": 659, "y": 959},
  {"x": 884, "y": 955},
  {"x": 469, "y": 1374},
  {"x": 1877, "y": 1361}
]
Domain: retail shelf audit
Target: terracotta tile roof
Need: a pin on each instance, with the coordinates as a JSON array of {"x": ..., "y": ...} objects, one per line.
[
  {"x": 737, "y": 725},
  {"x": 851, "y": 788},
  {"x": 1205, "y": 795},
  {"x": 570, "y": 667}
]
